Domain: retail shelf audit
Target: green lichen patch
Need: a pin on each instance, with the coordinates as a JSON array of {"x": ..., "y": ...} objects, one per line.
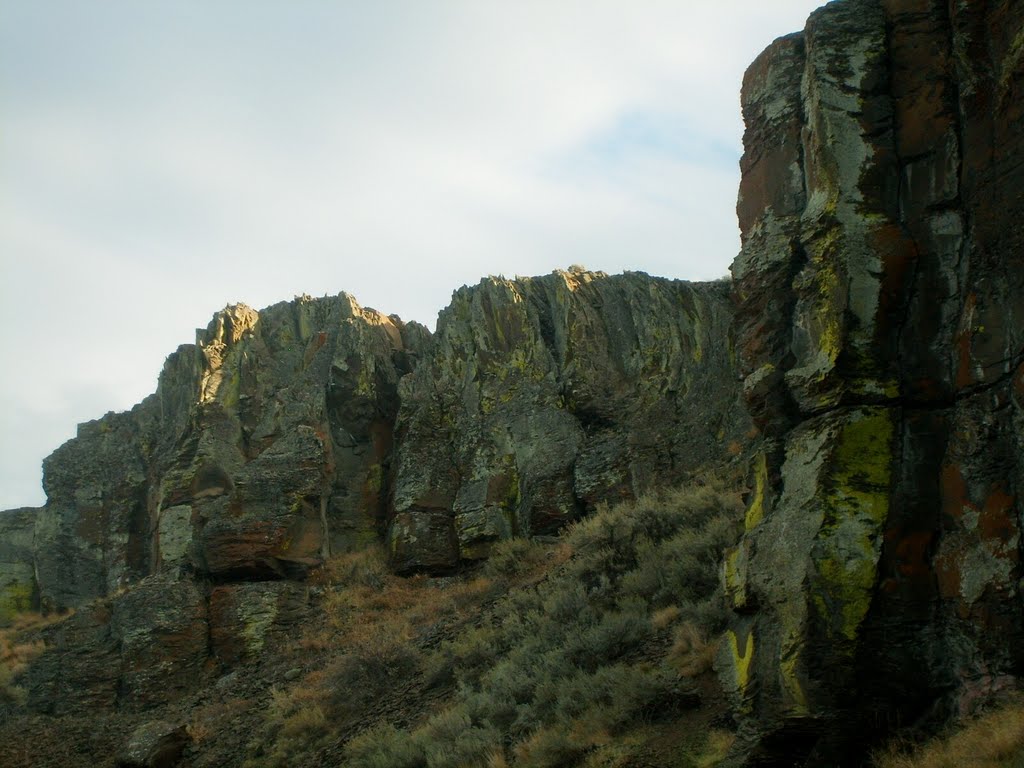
[
  {"x": 855, "y": 495},
  {"x": 755, "y": 511},
  {"x": 15, "y": 598}
]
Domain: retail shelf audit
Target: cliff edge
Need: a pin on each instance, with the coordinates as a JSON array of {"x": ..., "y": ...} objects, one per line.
[{"x": 880, "y": 334}]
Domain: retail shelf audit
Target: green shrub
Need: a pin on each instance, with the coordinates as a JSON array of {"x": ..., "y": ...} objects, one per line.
[
  {"x": 384, "y": 747},
  {"x": 360, "y": 678},
  {"x": 580, "y": 642},
  {"x": 453, "y": 740}
]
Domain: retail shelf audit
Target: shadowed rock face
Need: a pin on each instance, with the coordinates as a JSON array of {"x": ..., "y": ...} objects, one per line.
[
  {"x": 880, "y": 333},
  {"x": 183, "y": 529},
  {"x": 18, "y": 591},
  {"x": 263, "y": 449},
  {"x": 544, "y": 396}
]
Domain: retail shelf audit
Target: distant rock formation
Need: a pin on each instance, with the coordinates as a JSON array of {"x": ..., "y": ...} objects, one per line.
[
  {"x": 184, "y": 528},
  {"x": 545, "y": 396},
  {"x": 874, "y": 329},
  {"x": 263, "y": 449},
  {"x": 880, "y": 333}
]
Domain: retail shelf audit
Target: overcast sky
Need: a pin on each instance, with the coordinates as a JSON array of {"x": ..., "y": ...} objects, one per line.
[{"x": 159, "y": 160}]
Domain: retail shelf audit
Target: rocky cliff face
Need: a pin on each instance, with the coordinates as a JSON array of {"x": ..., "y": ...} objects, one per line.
[
  {"x": 544, "y": 396},
  {"x": 878, "y": 318},
  {"x": 263, "y": 450},
  {"x": 184, "y": 529},
  {"x": 880, "y": 333},
  {"x": 269, "y": 443}
]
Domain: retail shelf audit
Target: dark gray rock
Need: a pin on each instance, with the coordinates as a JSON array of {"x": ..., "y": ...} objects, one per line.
[
  {"x": 156, "y": 744},
  {"x": 18, "y": 589},
  {"x": 542, "y": 397},
  {"x": 880, "y": 332}
]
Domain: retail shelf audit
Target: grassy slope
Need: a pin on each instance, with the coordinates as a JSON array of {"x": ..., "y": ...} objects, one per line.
[
  {"x": 993, "y": 739},
  {"x": 594, "y": 649},
  {"x": 591, "y": 649}
]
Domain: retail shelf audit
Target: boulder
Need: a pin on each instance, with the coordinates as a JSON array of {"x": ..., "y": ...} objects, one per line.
[{"x": 157, "y": 744}]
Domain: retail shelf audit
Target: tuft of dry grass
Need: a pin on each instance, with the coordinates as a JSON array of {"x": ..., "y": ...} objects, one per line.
[
  {"x": 994, "y": 739},
  {"x": 665, "y": 617},
  {"x": 715, "y": 749},
  {"x": 691, "y": 654},
  {"x": 17, "y": 652}
]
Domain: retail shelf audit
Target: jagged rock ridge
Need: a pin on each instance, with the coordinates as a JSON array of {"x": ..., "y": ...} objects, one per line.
[
  {"x": 183, "y": 530},
  {"x": 879, "y": 333},
  {"x": 262, "y": 450},
  {"x": 544, "y": 396}
]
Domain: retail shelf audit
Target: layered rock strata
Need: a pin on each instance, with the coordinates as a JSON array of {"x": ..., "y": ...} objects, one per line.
[
  {"x": 544, "y": 396},
  {"x": 183, "y": 530},
  {"x": 880, "y": 333},
  {"x": 263, "y": 450}
]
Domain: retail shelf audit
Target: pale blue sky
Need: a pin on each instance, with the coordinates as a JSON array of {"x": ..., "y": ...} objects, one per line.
[{"x": 159, "y": 160}]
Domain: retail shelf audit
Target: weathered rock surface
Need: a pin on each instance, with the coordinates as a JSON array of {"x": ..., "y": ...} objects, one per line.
[
  {"x": 137, "y": 650},
  {"x": 879, "y": 329},
  {"x": 245, "y": 617},
  {"x": 174, "y": 526},
  {"x": 17, "y": 574},
  {"x": 544, "y": 396},
  {"x": 264, "y": 448},
  {"x": 183, "y": 529},
  {"x": 880, "y": 333},
  {"x": 156, "y": 744}
]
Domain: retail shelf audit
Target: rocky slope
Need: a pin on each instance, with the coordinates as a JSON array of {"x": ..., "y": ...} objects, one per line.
[
  {"x": 874, "y": 329},
  {"x": 880, "y": 332},
  {"x": 183, "y": 530}
]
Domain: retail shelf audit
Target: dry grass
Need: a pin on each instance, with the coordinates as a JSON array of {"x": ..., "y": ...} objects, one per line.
[
  {"x": 207, "y": 721},
  {"x": 17, "y": 651},
  {"x": 550, "y": 653},
  {"x": 992, "y": 740},
  {"x": 364, "y": 602},
  {"x": 665, "y": 617},
  {"x": 715, "y": 749},
  {"x": 691, "y": 654}
]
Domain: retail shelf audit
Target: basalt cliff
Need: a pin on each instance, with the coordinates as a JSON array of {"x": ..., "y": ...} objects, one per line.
[{"x": 863, "y": 372}]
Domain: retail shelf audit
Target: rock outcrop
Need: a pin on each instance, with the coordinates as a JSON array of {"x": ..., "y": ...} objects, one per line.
[
  {"x": 263, "y": 450},
  {"x": 880, "y": 333},
  {"x": 544, "y": 396},
  {"x": 183, "y": 530},
  {"x": 18, "y": 588},
  {"x": 876, "y": 318},
  {"x": 179, "y": 529}
]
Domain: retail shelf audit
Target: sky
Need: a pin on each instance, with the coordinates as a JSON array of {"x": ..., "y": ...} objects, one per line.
[{"x": 160, "y": 160}]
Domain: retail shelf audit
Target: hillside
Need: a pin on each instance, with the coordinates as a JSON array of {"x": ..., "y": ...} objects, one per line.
[{"x": 596, "y": 520}]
